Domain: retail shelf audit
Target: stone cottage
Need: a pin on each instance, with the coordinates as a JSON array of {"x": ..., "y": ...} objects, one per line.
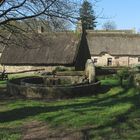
[
  {"x": 114, "y": 49},
  {"x": 44, "y": 50},
  {"x": 37, "y": 51}
]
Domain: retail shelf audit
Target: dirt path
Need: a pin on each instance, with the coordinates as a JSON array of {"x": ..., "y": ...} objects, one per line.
[{"x": 40, "y": 131}]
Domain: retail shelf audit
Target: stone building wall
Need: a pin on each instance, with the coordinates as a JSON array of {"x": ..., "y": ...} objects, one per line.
[
  {"x": 133, "y": 60},
  {"x": 1, "y": 67},
  {"x": 103, "y": 59},
  {"x": 122, "y": 61},
  {"x": 14, "y": 69}
]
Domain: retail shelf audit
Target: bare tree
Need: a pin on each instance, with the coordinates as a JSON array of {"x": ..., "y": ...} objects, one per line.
[
  {"x": 14, "y": 12},
  {"x": 109, "y": 25}
]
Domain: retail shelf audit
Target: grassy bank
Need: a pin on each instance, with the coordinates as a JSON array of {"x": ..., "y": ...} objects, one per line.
[{"x": 111, "y": 114}]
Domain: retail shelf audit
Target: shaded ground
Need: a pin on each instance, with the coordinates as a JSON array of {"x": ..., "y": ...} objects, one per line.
[
  {"x": 35, "y": 130},
  {"x": 3, "y": 94},
  {"x": 40, "y": 131},
  {"x": 111, "y": 114}
]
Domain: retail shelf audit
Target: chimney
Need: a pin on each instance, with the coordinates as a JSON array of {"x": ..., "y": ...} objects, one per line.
[
  {"x": 79, "y": 26},
  {"x": 40, "y": 29}
]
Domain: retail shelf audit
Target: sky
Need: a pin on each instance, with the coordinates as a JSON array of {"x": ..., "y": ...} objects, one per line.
[{"x": 125, "y": 13}]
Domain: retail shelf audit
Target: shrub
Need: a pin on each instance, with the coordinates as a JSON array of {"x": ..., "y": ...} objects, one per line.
[
  {"x": 62, "y": 68},
  {"x": 135, "y": 69},
  {"x": 105, "y": 71},
  {"x": 125, "y": 74}
]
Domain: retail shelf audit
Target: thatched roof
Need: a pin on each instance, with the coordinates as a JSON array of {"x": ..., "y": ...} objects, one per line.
[
  {"x": 43, "y": 49},
  {"x": 4, "y": 38},
  {"x": 125, "y": 31},
  {"x": 1, "y": 47},
  {"x": 114, "y": 44}
]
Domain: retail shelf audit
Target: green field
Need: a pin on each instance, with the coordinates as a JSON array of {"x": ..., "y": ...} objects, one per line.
[{"x": 113, "y": 113}]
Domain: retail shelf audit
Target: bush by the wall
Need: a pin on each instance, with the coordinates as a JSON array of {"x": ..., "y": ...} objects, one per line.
[
  {"x": 105, "y": 71},
  {"x": 124, "y": 74}
]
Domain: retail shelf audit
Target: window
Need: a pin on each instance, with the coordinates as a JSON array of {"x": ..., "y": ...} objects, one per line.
[
  {"x": 95, "y": 60},
  {"x": 138, "y": 59},
  {"x": 109, "y": 62}
]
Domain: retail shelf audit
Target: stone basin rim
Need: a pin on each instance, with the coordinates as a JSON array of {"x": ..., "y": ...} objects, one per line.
[{"x": 21, "y": 80}]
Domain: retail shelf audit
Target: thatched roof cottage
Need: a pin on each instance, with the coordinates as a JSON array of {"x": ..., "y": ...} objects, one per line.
[
  {"x": 71, "y": 49},
  {"x": 114, "y": 49},
  {"x": 47, "y": 49}
]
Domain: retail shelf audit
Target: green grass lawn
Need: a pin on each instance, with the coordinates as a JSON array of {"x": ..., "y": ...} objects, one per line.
[{"x": 113, "y": 113}]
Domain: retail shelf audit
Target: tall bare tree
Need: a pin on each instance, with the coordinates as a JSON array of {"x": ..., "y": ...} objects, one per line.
[{"x": 14, "y": 12}]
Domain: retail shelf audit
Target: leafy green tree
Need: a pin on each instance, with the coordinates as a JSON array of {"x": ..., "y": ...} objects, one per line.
[{"x": 87, "y": 15}]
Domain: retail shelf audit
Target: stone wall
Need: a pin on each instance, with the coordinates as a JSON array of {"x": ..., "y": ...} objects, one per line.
[
  {"x": 1, "y": 67},
  {"x": 102, "y": 59},
  {"x": 116, "y": 60},
  {"x": 50, "y": 92},
  {"x": 133, "y": 60},
  {"x": 16, "y": 69}
]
